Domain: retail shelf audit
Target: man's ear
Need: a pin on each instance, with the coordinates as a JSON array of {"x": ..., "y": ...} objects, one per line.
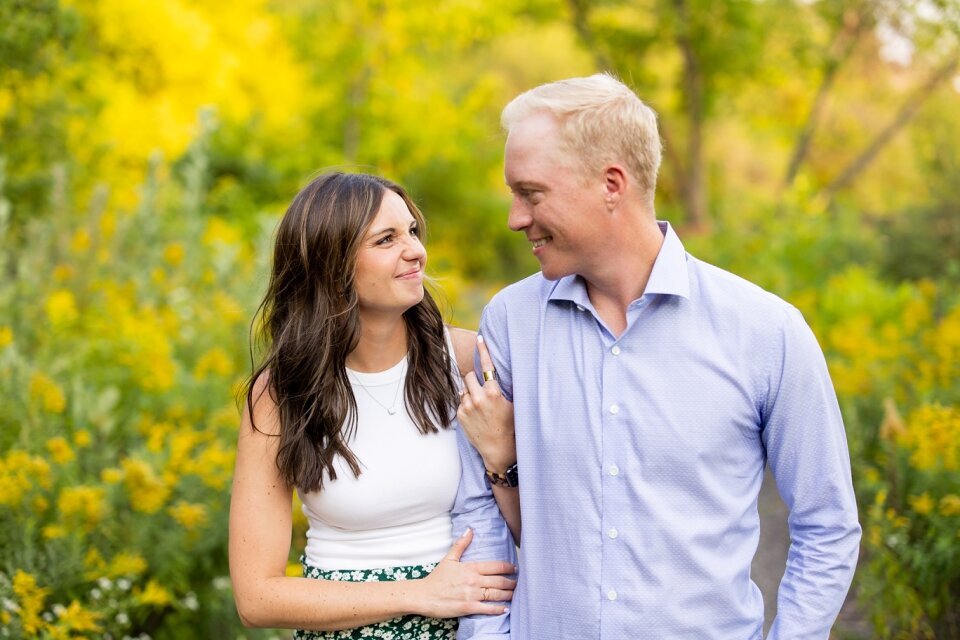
[{"x": 614, "y": 185}]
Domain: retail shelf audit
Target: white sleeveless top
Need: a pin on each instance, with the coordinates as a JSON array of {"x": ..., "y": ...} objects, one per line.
[{"x": 397, "y": 512}]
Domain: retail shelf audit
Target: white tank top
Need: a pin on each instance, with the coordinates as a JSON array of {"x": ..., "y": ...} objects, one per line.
[{"x": 397, "y": 512}]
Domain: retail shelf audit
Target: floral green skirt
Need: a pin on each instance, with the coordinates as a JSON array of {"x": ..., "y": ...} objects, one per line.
[{"x": 409, "y": 627}]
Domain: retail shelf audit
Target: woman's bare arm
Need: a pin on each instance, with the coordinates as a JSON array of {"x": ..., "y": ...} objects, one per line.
[{"x": 260, "y": 531}]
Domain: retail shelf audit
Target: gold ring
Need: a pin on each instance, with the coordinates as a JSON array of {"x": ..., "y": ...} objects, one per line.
[{"x": 489, "y": 375}]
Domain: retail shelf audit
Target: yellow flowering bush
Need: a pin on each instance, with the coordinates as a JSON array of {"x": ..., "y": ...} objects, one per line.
[
  {"x": 894, "y": 357},
  {"x": 893, "y": 350},
  {"x": 117, "y": 443}
]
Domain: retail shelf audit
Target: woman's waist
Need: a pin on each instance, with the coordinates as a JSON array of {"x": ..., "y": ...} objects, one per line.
[{"x": 411, "y": 543}]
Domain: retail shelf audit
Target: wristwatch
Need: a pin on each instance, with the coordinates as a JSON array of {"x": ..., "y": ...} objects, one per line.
[{"x": 508, "y": 478}]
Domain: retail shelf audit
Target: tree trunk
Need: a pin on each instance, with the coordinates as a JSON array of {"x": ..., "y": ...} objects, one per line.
[{"x": 694, "y": 183}]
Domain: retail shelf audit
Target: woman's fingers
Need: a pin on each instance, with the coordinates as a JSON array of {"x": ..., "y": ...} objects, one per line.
[
  {"x": 497, "y": 595},
  {"x": 474, "y": 388},
  {"x": 492, "y": 568},
  {"x": 459, "y": 546},
  {"x": 485, "y": 608},
  {"x": 486, "y": 362}
]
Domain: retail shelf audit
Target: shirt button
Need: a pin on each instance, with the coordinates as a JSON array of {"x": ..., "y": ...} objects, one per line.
[
  {"x": 580, "y": 307},
  {"x": 615, "y": 351},
  {"x": 613, "y": 533},
  {"x": 614, "y": 470},
  {"x": 614, "y": 409},
  {"x": 611, "y": 595}
]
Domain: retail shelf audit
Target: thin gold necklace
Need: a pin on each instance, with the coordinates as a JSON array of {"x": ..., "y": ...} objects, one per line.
[{"x": 392, "y": 409}]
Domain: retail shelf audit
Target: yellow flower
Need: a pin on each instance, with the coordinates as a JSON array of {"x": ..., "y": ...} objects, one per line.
[
  {"x": 154, "y": 595},
  {"x": 189, "y": 515},
  {"x": 215, "y": 361},
  {"x": 181, "y": 444},
  {"x": 108, "y": 224},
  {"x": 53, "y": 531},
  {"x": 126, "y": 564},
  {"x": 881, "y": 497},
  {"x": 300, "y": 522},
  {"x": 933, "y": 437},
  {"x": 80, "y": 242},
  {"x": 214, "y": 465},
  {"x": 6, "y": 336},
  {"x": 220, "y": 231},
  {"x": 82, "y": 438},
  {"x": 111, "y": 475},
  {"x": 158, "y": 277},
  {"x": 228, "y": 309},
  {"x": 60, "y": 450},
  {"x": 83, "y": 504},
  {"x": 294, "y": 570},
  {"x": 31, "y": 598},
  {"x": 47, "y": 393},
  {"x": 19, "y": 472},
  {"x": 922, "y": 504},
  {"x": 155, "y": 432},
  {"x": 173, "y": 254},
  {"x": 63, "y": 272},
  {"x": 147, "y": 493},
  {"x": 94, "y": 563},
  {"x": 61, "y": 308},
  {"x": 950, "y": 504},
  {"x": 76, "y": 618}
]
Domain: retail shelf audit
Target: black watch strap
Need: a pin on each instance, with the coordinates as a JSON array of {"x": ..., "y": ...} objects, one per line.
[{"x": 508, "y": 478}]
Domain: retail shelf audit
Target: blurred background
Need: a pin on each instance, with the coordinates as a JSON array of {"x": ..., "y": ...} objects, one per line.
[{"x": 148, "y": 148}]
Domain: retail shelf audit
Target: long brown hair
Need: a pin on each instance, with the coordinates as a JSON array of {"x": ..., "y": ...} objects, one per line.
[{"x": 309, "y": 322}]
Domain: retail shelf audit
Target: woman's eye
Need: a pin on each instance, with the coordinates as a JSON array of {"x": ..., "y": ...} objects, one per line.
[
  {"x": 415, "y": 231},
  {"x": 384, "y": 239}
]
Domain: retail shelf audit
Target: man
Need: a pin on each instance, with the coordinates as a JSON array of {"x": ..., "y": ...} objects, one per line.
[{"x": 650, "y": 391}]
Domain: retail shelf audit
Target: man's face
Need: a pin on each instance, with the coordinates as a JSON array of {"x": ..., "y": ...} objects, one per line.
[{"x": 558, "y": 208}]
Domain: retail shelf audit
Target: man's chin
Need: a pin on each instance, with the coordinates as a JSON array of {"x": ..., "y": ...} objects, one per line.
[{"x": 553, "y": 274}]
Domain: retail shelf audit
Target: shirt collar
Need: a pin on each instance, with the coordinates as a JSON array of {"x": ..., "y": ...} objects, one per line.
[{"x": 668, "y": 277}]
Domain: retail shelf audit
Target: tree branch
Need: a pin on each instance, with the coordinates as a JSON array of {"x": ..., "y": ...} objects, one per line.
[
  {"x": 906, "y": 113},
  {"x": 842, "y": 46}
]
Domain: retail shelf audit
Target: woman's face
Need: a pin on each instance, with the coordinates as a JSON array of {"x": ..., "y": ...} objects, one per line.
[{"x": 389, "y": 278}]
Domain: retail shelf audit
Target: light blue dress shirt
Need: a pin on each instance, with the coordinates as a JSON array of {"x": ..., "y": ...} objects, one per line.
[{"x": 641, "y": 458}]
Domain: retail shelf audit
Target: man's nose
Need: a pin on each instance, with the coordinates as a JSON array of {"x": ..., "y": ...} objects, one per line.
[{"x": 519, "y": 217}]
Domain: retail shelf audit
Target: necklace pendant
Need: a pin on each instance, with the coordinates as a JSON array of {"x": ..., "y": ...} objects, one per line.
[{"x": 391, "y": 411}]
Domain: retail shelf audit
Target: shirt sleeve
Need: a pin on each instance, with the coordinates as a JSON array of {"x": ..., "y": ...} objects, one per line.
[
  {"x": 476, "y": 508},
  {"x": 807, "y": 452}
]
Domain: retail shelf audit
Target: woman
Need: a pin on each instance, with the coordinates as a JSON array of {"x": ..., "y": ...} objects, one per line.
[{"x": 346, "y": 323}]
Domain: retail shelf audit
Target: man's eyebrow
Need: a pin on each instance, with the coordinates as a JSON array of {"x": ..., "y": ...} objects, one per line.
[{"x": 524, "y": 184}]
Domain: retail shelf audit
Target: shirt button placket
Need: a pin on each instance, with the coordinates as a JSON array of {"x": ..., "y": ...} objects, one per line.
[{"x": 613, "y": 371}]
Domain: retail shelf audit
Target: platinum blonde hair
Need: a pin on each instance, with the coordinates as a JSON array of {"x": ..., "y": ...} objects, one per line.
[{"x": 601, "y": 121}]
